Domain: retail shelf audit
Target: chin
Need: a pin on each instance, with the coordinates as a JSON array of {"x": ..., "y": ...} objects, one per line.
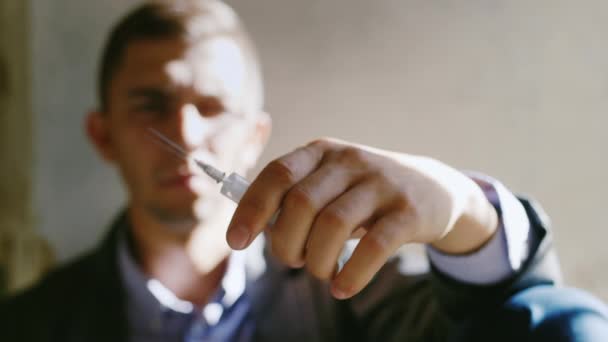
[
  {"x": 193, "y": 210},
  {"x": 182, "y": 228},
  {"x": 181, "y": 216}
]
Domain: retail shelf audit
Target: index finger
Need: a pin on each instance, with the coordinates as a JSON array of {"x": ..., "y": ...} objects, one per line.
[{"x": 264, "y": 196}]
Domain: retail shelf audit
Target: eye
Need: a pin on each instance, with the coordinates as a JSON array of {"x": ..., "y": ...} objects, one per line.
[
  {"x": 210, "y": 107},
  {"x": 151, "y": 109},
  {"x": 151, "y": 106}
]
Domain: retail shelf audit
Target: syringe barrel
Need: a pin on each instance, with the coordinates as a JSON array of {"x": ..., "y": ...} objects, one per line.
[{"x": 234, "y": 187}]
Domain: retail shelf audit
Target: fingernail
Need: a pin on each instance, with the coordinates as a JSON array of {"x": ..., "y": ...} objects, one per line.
[
  {"x": 336, "y": 270},
  {"x": 238, "y": 237},
  {"x": 298, "y": 264},
  {"x": 338, "y": 293}
]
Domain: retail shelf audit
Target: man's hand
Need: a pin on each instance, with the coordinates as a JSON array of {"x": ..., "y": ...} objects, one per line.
[{"x": 329, "y": 191}]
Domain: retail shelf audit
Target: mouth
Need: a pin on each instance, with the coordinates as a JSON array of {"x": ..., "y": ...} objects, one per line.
[{"x": 178, "y": 181}]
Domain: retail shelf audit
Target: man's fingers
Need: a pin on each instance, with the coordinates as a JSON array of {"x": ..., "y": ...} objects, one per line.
[
  {"x": 265, "y": 194},
  {"x": 335, "y": 224},
  {"x": 381, "y": 241},
  {"x": 300, "y": 207}
]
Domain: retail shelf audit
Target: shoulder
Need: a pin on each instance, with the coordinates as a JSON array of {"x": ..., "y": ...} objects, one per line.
[
  {"x": 50, "y": 300},
  {"x": 63, "y": 276},
  {"x": 71, "y": 282}
]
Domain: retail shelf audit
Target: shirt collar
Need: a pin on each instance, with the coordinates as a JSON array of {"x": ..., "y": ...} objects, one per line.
[{"x": 150, "y": 295}]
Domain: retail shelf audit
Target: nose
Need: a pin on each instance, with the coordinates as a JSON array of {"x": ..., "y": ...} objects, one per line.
[{"x": 192, "y": 129}]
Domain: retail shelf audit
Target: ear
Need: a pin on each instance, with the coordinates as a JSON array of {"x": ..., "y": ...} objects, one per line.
[
  {"x": 98, "y": 132},
  {"x": 257, "y": 140}
]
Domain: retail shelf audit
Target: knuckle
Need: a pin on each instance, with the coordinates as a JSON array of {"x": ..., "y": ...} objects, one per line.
[
  {"x": 353, "y": 152},
  {"x": 352, "y": 155},
  {"x": 280, "y": 171},
  {"x": 333, "y": 218},
  {"x": 254, "y": 205},
  {"x": 376, "y": 244},
  {"x": 401, "y": 201},
  {"x": 320, "y": 143},
  {"x": 300, "y": 197}
]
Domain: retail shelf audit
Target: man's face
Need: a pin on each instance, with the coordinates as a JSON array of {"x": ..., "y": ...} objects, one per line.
[{"x": 193, "y": 94}]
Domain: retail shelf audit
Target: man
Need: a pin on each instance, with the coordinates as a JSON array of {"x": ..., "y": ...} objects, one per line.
[{"x": 168, "y": 272}]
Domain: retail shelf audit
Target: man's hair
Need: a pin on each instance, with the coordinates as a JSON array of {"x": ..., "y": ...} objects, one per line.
[{"x": 193, "y": 20}]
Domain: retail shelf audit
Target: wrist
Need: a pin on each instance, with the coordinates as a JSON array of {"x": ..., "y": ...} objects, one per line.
[{"x": 473, "y": 229}]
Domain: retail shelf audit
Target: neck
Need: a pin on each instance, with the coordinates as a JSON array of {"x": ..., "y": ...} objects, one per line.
[{"x": 191, "y": 263}]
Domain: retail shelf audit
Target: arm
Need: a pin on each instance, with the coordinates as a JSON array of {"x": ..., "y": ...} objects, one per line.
[{"x": 461, "y": 298}]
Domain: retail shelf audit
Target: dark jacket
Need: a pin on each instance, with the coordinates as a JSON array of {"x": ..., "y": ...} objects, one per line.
[{"x": 85, "y": 300}]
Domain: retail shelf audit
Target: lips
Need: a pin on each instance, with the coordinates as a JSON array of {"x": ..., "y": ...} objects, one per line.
[
  {"x": 184, "y": 176},
  {"x": 190, "y": 183},
  {"x": 177, "y": 181}
]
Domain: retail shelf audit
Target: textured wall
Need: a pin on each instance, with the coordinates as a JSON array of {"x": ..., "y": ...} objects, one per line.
[{"x": 516, "y": 89}]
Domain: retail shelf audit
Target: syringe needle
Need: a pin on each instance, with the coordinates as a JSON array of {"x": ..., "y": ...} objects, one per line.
[
  {"x": 173, "y": 147},
  {"x": 234, "y": 186},
  {"x": 214, "y": 173},
  {"x": 211, "y": 171}
]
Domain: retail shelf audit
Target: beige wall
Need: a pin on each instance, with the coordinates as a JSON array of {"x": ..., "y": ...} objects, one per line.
[
  {"x": 516, "y": 89},
  {"x": 24, "y": 256}
]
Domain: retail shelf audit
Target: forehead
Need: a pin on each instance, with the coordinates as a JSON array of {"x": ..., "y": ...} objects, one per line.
[{"x": 213, "y": 67}]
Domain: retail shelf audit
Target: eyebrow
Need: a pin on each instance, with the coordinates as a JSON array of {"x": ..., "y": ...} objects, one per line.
[
  {"x": 160, "y": 94},
  {"x": 149, "y": 92}
]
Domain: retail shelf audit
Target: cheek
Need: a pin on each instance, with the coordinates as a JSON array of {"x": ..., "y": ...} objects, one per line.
[
  {"x": 231, "y": 145},
  {"x": 134, "y": 157}
]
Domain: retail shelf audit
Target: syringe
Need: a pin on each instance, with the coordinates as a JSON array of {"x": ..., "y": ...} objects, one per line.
[{"x": 234, "y": 186}]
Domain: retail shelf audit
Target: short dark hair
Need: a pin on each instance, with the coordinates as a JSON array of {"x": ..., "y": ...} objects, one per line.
[{"x": 193, "y": 20}]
